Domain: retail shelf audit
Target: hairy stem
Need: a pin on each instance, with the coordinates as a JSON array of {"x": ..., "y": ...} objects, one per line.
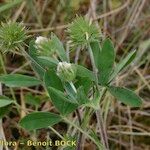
[
  {"x": 2, "y": 135},
  {"x": 85, "y": 133},
  {"x": 79, "y": 119},
  {"x": 103, "y": 132},
  {"x": 57, "y": 133}
]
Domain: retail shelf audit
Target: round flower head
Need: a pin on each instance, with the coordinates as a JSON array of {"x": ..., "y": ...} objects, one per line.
[
  {"x": 81, "y": 31},
  {"x": 12, "y": 36},
  {"x": 40, "y": 40},
  {"x": 45, "y": 46},
  {"x": 66, "y": 71}
]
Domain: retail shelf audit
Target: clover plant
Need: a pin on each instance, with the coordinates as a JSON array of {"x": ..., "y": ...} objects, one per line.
[{"x": 69, "y": 86}]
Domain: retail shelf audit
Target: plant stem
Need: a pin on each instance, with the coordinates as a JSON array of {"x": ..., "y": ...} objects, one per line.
[
  {"x": 79, "y": 119},
  {"x": 57, "y": 133},
  {"x": 2, "y": 135},
  {"x": 93, "y": 65},
  {"x": 85, "y": 133},
  {"x": 102, "y": 128}
]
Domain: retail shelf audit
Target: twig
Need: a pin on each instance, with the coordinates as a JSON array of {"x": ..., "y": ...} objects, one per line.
[
  {"x": 130, "y": 133},
  {"x": 77, "y": 55},
  {"x": 130, "y": 124},
  {"x": 2, "y": 135},
  {"x": 85, "y": 133},
  {"x": 114, "y": 11},
  {"x": 132, "y": 19},
  {"x": 48, "y": 29},
  {"x": 19, "y": 11}
]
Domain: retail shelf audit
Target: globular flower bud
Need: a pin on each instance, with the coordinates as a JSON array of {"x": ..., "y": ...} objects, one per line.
[
  {"x": 66, "y": 71},
  {"x": 40, "y": 40},
  {"x": 45, "y": 46}
]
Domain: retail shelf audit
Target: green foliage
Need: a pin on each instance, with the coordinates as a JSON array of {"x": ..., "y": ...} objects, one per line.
[
  {"x": 126, "y": 96},
  {"x": 81, "y": 96},
  {"x": 105, "y": 61},
  {"x": 10, "y": 5},
  {"x": 68, "y": 85},
  {"x": 82, "y": 31},
  {"x": 61, "y": 102},
  {"x": 96, "y": 49},
  {"x": 47, "y": 62},
  {"x": 70, "y": 90},
  {"x": 48, "y": 47},
  {"x": 18, "y": 80},
  {"x": 37, "y": 66},
  {"x": 121, "y": 65},
  {"x": 12, "y": 36},
  {"x": 32, "y": 100},
  {"x": 5, "y": 110},
  {"x": 38, "y": 120},
  {"x": 52, "y": 80},
  {"x": 4, "y": 101},
  {"x": 85, "y": 82},
  {"x": 58, "y": 47},
  {"x": 85, "y": 73}
]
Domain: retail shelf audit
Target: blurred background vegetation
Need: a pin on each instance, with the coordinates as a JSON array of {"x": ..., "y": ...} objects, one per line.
[{"x": 127, "y": 23}]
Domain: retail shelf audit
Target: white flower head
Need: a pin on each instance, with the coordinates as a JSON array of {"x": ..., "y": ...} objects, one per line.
[
  {"x": 40, "y": 40},
  {"x": 66, "y": 71},
  {"x": 63, "y": 65}
]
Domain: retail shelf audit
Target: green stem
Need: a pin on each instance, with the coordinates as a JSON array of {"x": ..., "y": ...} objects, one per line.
[
  {"x": 102, "y": 128},
  {"x": 95, "y": 70},
  {"x": 79, "y": 119},
  {"x": 57, "y": 133},
  {"x": 85, "y": 133}
]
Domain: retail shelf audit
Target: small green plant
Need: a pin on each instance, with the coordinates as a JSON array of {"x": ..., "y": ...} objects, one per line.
[{"x": 67, "y": 84}]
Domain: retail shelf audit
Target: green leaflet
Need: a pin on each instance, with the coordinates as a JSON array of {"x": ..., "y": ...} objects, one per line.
[
  {"x": 38, "y": 120},
  {"x": 71, "y": 92},
  {"x": 84, "y": 72},
  {"x": 85, "y": 82},
  {"x": 61, "y": 102},
  {"x": 126, "y": 96},
  {"x": 122, "y": 64},
  {"x": 18, "y": 80},
  {"x": 96, "y": 49},
  {"x": 4, "y": 110},
  {"x": 58, "y": 47},
  {"x": 105, "y": 61},
  {"x": 48, "y": 62},
  {"x": 32, "y": 99},
  {"x": 81, "y": 96},
  {"x": 55, "y": 90},
  {"x": 52, "y": 80},
  {"x": 5, "y": 101}
]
